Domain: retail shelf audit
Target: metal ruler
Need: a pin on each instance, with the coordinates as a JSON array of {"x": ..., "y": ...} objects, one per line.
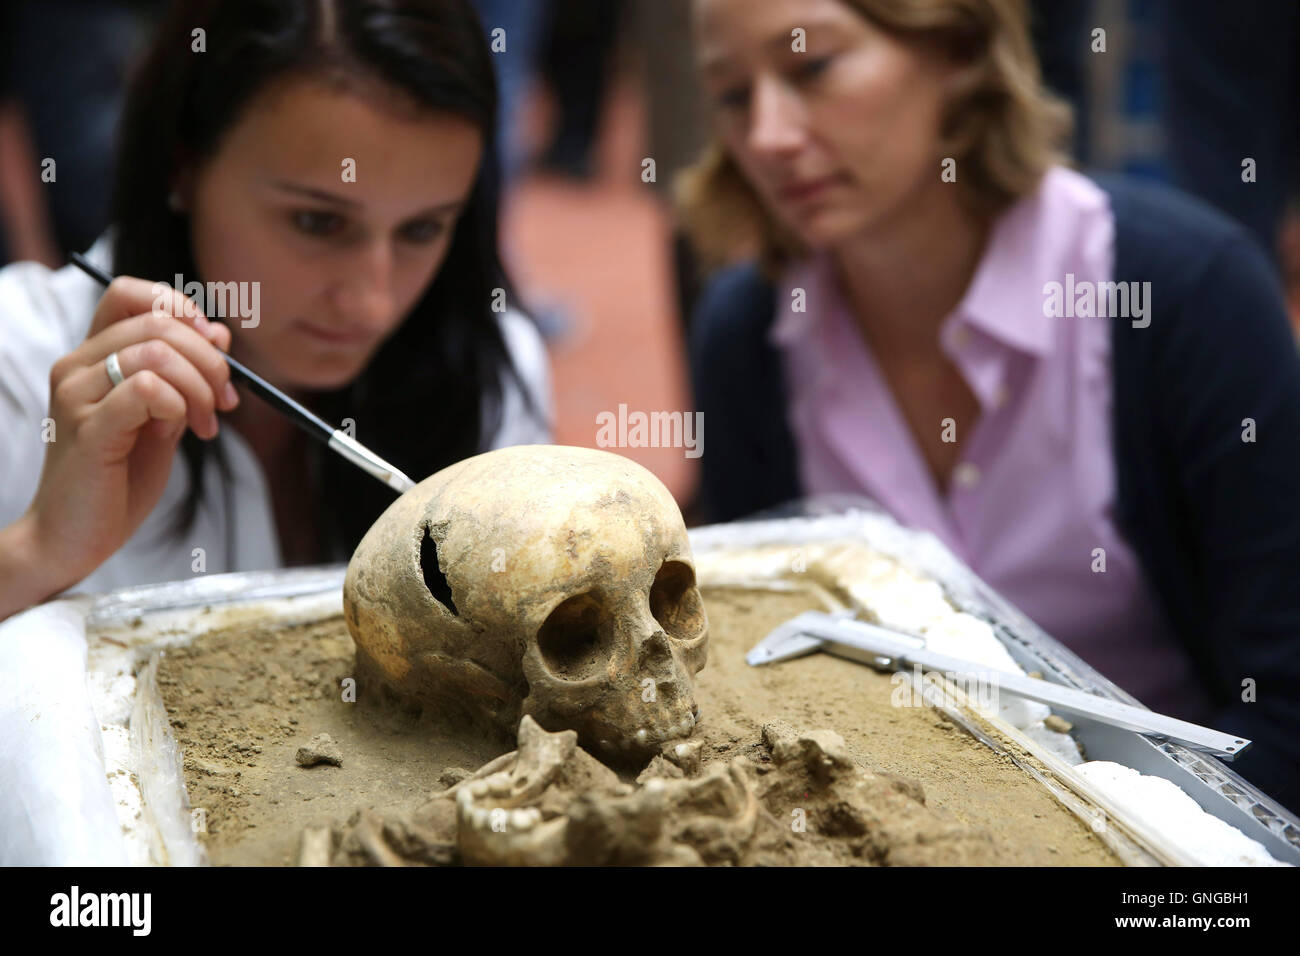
[{"x": 842, "y": 635}]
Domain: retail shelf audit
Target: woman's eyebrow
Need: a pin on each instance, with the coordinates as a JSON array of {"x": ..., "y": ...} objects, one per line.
[
  {"x": 312, "y": 192},
  {"x": 326, "y": 196},
  {"x": 453, "y": 205},
  {"x": 713, "y": 65}
]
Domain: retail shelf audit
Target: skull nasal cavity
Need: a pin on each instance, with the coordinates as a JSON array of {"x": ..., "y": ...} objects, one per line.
[
  {"x": 655, "y": 652},
  {"x": 434, "y": 579}
]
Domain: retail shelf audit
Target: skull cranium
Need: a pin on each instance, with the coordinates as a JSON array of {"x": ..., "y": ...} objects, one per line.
[{"x": 540, "y": 579}]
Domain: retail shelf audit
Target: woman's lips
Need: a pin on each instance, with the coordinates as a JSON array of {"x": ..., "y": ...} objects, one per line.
[
  {"x": 807, "y": 189},
  {"x": 331, "y": 336}
]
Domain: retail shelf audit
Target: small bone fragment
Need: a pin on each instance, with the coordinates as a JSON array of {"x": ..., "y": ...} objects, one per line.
[
  {"x": 659, "y": 767},
  {"x": 775, "y": 731},
  {"x": 452, "y": 776},
  {"x": 320, "y": 749},
  {"x": 686, "y": 754},
  {"x": 1059, "y": 724}
]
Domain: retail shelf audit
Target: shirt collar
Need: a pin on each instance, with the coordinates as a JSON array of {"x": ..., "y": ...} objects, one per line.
[
  {"x": 1005, "y": 297},
  {"x": 1063, "y": 226}
]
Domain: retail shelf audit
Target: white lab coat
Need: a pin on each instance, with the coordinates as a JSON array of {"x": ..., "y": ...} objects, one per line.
[{"x": 45, "y": 314}]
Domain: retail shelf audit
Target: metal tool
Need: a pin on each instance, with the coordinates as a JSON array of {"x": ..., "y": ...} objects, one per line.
[{"x": 842, "y": 635}]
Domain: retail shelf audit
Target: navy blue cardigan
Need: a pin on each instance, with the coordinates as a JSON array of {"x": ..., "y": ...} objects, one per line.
[{"x": 1215, "y": 520}]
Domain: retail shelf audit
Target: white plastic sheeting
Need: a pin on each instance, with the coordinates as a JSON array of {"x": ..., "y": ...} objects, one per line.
[{"x": 56, "y": 808}]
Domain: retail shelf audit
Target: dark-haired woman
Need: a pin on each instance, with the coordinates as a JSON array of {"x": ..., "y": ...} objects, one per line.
[{"x": 320, "y": 170}]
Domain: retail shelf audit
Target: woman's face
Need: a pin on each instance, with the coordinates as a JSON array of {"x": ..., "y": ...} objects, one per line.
[
  {"x": 340, "y": 258},
  {"x": 837, "y": 140}
]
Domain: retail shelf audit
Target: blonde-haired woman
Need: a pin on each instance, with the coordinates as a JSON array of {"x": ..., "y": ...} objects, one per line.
[{"x": 1086, "y": 388}]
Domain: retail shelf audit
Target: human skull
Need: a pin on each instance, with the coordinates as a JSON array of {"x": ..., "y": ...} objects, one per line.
[{"x": 539, "y": 579}]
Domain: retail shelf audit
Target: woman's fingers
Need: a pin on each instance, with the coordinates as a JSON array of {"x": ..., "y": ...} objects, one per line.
[
  {"x": 127, "y": 296},
  {"x": 200, "y": 353},
  {"x": 128, "y": 300},
  {"x": 163, "y": 359},
  {"x": 218, "y": 333},
  {"x": 116, "y": 443},
  {"x": 90, "y": 384},
  {"x": 114, "y": 424}
]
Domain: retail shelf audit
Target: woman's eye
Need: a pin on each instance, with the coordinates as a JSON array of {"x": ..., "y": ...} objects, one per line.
[
  {"x": 735, "y": 98},
  {"x": 814, "y": 67},
  {"x": 425, "y": 230},
  {"x": 317, "y": 223}
]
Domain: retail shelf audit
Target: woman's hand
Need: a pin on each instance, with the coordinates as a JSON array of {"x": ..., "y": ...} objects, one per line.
[{"x": 113, "y": 444}]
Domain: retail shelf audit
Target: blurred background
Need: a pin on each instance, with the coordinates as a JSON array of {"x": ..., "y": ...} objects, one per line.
[{"x": 592, "y": 88}]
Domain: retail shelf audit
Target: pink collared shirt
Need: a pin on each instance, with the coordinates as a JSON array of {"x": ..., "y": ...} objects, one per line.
[{"x": 1033, "y": 494}]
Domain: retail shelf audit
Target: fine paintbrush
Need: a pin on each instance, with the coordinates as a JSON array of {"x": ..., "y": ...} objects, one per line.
[{"x": 338, "y": 440}]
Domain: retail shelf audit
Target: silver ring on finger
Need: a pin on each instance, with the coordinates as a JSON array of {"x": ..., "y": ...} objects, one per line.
[{"x": 114, "y": 369}]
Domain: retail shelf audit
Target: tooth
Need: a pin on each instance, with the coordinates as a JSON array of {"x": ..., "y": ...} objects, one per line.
[
  {"x": 480, "y": 819},
  {"x": 521, "y": 820},
  {"x": 499, "y": 784},
  {"x": 681, "y": 750},
  {"x": 479, "y": 788},
  {"x": 642, "y": 736}
]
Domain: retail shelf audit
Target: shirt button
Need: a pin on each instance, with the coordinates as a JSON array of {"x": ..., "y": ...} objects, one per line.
[{"x": 966, "y": 475}]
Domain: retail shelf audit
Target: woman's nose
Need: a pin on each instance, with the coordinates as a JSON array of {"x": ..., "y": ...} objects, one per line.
[
  {"x": 778, "y": 123},
  {"x": 366, "y": 296}
]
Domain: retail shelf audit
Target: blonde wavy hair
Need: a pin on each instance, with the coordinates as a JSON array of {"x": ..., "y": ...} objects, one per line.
[{"x": 1004, "y": 128}]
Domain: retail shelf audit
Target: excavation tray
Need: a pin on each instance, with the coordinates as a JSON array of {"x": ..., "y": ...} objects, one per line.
[{"x": 154, "y": 615}]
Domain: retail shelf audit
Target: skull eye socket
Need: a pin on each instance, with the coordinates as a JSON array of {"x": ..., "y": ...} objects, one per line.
[
  {"x": 434, "y": 579},
  {"x": 571, "y": 640},
  {"x": 675, "y": 601}
]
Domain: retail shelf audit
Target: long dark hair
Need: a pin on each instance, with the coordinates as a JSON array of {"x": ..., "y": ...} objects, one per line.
[{"x": 434, "y": 389}]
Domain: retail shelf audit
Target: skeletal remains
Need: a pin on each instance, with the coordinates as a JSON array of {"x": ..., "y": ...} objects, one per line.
[
  {"x": 548, "y": 593},
  {"x": 544, "y": 580},
  {"x": 796, "y": 798}
]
